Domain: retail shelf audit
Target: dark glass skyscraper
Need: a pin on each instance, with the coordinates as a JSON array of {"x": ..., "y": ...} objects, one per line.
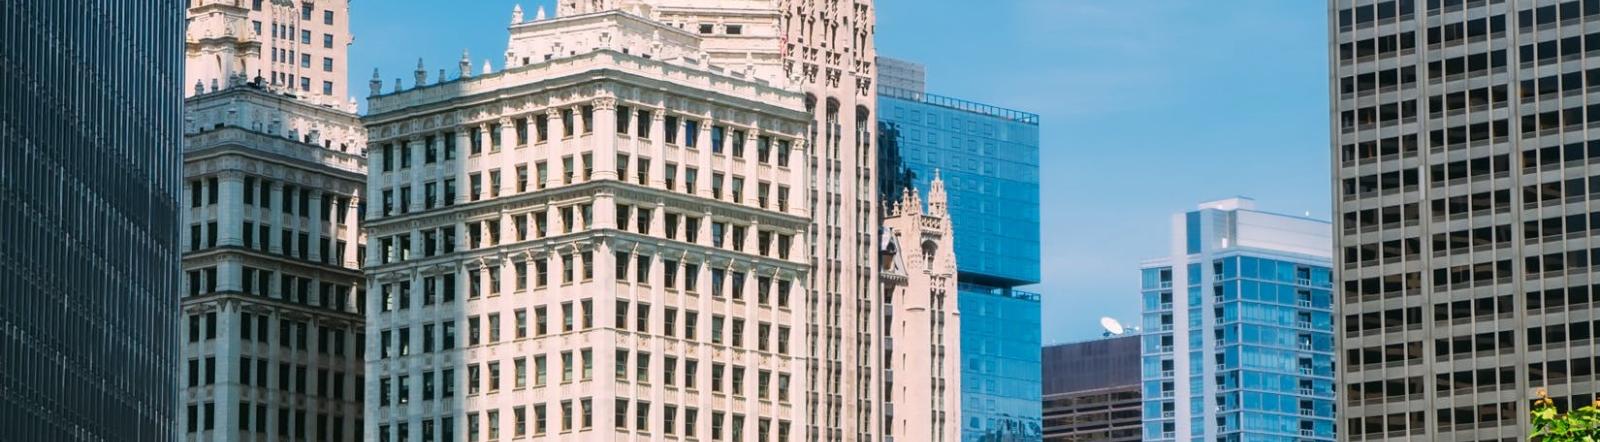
[
  {"x": 989, "y": 160},
  {"x": 90, "y": 113}
]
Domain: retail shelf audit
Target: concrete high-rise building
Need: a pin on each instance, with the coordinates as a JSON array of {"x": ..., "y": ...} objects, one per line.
[
  {"x": 90, "y": 126},
  {"x": 989, "y": 158},
  {"x": 272, "y": 296},
  {"x": 1243, "y": 349},
  {"x": 605, "y": 241},
  {"x": 1091, "y": 391},
  {"x": 1462, "y": 187},
  {"x": 293, "y": 47},
  {"x": 922, "y": 365}
]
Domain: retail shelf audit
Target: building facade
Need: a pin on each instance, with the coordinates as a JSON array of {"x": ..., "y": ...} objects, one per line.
[
  {"x": 1244, "y": 351},
  {"x": 824, "y": 49},
  {"x": 89, "y": 265},
  {"x": 902, "y": 74},
  {"x": 299, "y": 48},
  {"x": 606, "y": 240},
  {"x": 989, "y": 158},
  {"x": 272, "y": 295},
  {"x": 1462, "y": 187},
  {"x": 922, "y": 365},
  {"x": 1090, "y": 394}
]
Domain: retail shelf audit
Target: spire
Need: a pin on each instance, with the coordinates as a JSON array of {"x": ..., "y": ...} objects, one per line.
[
  {"x": 936, "y": 197},
  {"x": 516, "y": 14},
  {"x": 466, "y": 64},
  {"x": 422, "y": 74},
  {"x": 540, "y": 14},
  {"x": 376, "y": 83}
]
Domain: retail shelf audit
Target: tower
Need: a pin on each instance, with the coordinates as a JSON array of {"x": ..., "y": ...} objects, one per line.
[{"x": 922, "y": 367}]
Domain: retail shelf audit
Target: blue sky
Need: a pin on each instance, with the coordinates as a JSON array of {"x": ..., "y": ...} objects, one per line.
[{"x": 1147, "y": 107}]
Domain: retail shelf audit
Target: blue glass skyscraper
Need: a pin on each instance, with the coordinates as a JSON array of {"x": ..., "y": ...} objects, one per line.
[
  {"x": 1243, "y": 349},
  {"x": 989, "y": 160}
]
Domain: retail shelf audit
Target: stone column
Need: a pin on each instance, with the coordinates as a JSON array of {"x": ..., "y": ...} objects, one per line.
[
  {"x": 317, "y": 225},
  {"x": 658, "y": 147},
  {"x": 605, "y": 210},
  {"x": 418, "y": 146},
  {"x": 352, "y": 236},
  {"x": 226, "y": 388},
  {"x": 508, "y": 133},
  {"x": 278, "y": 220},
  {"x": 604, "y": 141},
  {"x": 230, "y": 209},
  {"x": 463, "y": 141},
  {"x": 702, "y": 158},
  {"x": 552, "y": 154}
]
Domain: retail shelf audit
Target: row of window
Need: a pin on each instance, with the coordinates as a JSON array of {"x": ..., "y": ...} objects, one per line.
[
  {"x": 1386, "y": 286},
  {"x": 1404, "y": 146},
  {"x": 1557, "y": 298},
  {"x": 290, "y": 243},
  {"x": 1546, "y": 16},
  {"x": 1380, "y": 115},
  {"x": 397, "y": 342},
  {"x": 579, "y": 416},
  {"x": 202, "y": 417},
  {"x": 721, "y": 137},
  {"x": 292, "y": 335},
  {"x": 1578, "y": 333},
  {"x": 290, "y": 289}
]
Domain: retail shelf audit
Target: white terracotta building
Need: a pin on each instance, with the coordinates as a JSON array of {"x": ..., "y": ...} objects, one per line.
[
  {"x": 273, "y": 333},
  {"x": 605, "y": 241}
]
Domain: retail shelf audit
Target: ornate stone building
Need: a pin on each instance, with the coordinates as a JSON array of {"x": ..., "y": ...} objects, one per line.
[
  {"x": 922, "y": 366},
  {"x": 294, "y": 47},
  {"x": 272, "y": 337},
  {"x": 605, "y": 241}
]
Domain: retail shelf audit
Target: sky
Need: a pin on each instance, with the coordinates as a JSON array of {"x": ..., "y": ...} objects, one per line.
[{"x": 1147, "y": 108}]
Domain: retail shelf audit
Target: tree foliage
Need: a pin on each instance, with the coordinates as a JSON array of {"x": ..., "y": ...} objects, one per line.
[{"x": 1549, "y": 425}]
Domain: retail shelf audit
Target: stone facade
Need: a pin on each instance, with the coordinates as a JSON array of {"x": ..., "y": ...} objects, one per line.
[
  {"x": 605, "y": 241},
  {"x": 922, "y": 371},
  {"x": 273, "y": 294},
  {"x": 292, "y": 47}
]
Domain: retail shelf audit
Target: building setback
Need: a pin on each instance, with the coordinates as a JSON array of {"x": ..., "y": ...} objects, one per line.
[
  {"x": 1243, "y": 348},
  {"x": 1091, "y": 391},
  {"x": 89, "y": 182},
  {"x": 273, "y": 293},
  {"x": 989, "y": 158},
  {"x": 604, "y": 240},
  {"x": 1463, "y": 187}
]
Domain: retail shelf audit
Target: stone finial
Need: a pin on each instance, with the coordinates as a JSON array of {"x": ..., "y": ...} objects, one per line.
[
  {"x": 376, "y": 84},
  {"x": 441, "y": 76},
  {"x": 540, "y": 14},
  {"x": 199, "y": 87},
  {"x": 516, "y": 14},
  {"x": 936, "y": 197},
  {"x": 466, "y": 64},
  {"x": 422, "y": 74},
  {"x": 214, "y": 85},
  {"x": 486, "y": 69},
  {"x": 397, "y": 84}
]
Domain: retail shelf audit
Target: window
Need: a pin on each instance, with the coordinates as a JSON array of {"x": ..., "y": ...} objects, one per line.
[
  {"x": 735, "y": 29},
  {"x": 706, "y": 28},
  {"x": 327, "y": 17},
  {"x": 327, "y": 66}
]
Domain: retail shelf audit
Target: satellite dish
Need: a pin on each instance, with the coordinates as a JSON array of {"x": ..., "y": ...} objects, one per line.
[{"x": 1112, "y": 326}]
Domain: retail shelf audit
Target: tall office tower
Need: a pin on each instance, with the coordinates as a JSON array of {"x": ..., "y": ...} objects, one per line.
[
  {"x": 1091, "y": 391},
  {"x": 1245, "y": 350},
  {"x": 603, "y": 242},
  {"x": 922, "y": 365},
  {"x": 272, "y": 344},
  {"x": 989, "y": 158},
  {"x": 89, "y": 135},
  {"x": 824, "y": 49},
  {"x": 902, "y": 74},
  {"x": 1483, "y": 102},
  {"x": 293, "y": 47}
]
